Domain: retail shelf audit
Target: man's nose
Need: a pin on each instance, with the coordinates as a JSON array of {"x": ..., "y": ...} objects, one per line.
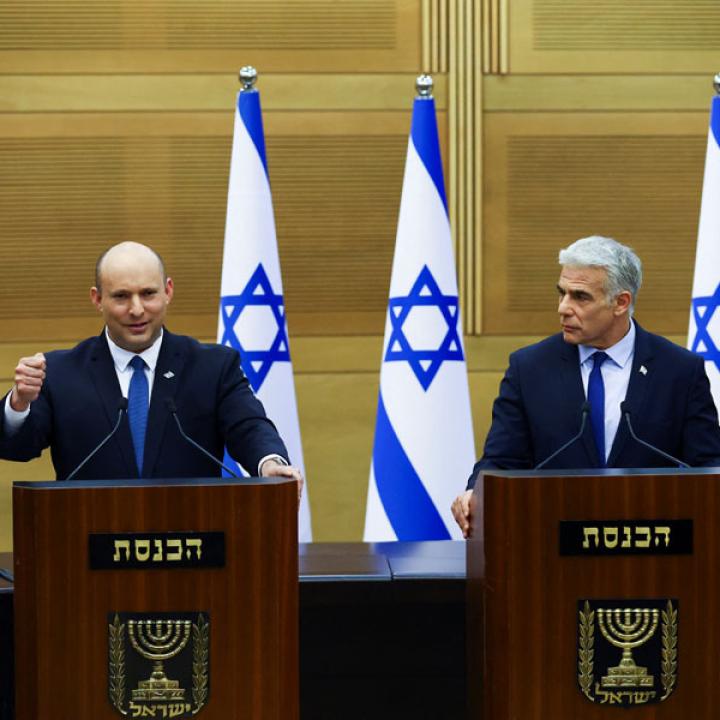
[{"x": 136, "y": 307}]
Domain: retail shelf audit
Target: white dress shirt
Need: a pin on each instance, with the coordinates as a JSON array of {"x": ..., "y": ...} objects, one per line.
[
  {"x": 616, "y": 378},
  {"x": 123, "y": 370}
]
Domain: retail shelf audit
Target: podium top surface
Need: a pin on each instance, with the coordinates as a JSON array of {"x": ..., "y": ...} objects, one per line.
[
  {"x": 149, "y": 482},
  {"x": 602, "y": 472}
]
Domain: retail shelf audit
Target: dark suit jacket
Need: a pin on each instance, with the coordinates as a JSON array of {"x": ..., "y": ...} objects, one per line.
[
  {"x": 539, "y": 408},
  {"x": 79, "y": 401}
]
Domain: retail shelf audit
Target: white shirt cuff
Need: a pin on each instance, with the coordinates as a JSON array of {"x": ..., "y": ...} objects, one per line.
[
  {"x": 13, "y": 418},
  {"x": 279, "y": 458}
]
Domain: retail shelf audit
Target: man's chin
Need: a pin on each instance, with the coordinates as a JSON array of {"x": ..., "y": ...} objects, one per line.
[
  {"x": 571, "y": 337},
  {"x": 135, "y": 342}
]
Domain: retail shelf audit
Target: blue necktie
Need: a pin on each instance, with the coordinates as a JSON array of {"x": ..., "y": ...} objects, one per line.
[
  {"x": 138, "y": 408},
  {"x": 596, "y": 398}
]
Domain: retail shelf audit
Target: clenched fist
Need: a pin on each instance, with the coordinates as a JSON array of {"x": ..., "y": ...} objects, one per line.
[{"x": 29, "y": 377}]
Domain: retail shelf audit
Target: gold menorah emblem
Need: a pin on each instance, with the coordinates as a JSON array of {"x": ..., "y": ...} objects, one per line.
[
  {"x": 627, "y": 628},
  {"x": 175, "y": 644},
  {"x": 646, "y": 626},
  {"x": 159, "y": 640}
]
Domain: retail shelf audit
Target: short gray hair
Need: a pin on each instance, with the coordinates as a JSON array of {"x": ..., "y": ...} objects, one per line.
[{"x": 623, "y": 266}]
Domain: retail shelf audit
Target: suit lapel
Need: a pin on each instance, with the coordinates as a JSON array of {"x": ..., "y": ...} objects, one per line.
[
  {"x": 168, "y": 370},
  {"x": 637, "y": 389},
  {"x": 572, "y": 388},
  {"x": 102, "y": 371}
]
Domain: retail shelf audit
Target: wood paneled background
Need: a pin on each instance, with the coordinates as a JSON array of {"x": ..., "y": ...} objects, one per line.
[{"x": 557, "y": 119}]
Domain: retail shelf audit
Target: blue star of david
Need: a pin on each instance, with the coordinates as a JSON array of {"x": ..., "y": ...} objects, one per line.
[
  {"x": 424, "y": 363},
  {"x": 256, "y": 363},
  {"x": 703, "y": 309}
]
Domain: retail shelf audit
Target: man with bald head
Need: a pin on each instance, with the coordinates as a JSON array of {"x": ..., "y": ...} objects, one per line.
[{"x": 70, "y": 400}]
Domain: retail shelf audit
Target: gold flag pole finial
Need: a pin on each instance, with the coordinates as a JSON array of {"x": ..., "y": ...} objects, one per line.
[{"x": 248, "y": 78}]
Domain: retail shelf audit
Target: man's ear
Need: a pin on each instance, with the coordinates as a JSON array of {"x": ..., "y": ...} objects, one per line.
[
  {"x": 623, "y": 301},
  {"x": 96, "y": 298}
]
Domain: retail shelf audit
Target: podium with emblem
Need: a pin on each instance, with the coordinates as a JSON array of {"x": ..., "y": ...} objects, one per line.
[
  {"x": 593, "y": 592},
  {"x": 156, "y": 599}
]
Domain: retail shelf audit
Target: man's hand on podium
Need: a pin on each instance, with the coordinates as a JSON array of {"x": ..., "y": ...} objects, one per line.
[
  {"x": 272, "y": 468},
  {"x": 461, "y": 512}
]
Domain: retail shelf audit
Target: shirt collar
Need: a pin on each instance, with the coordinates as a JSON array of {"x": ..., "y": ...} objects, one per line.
[
  {"x": 122, "y": 357},
  {"x": 619, "y": 353}
]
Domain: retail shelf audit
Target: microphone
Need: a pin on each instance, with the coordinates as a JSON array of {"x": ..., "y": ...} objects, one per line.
[
  {"x": 6, "y": 575},
  {"x": 122, "y": 407},
  {"x": 585, "y": 412},
  {"x": 626, "y": 414},
  {"x": 170, "y": 403}
]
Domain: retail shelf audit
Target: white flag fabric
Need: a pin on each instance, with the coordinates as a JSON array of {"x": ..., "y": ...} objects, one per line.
[
  {"x": 424, "y": 448},
  {"x": 252, "y": 310},
  {"x": 704, "y": 331}
]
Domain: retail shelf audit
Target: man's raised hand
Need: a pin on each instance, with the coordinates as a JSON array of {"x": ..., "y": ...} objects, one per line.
[{"x": 29, "y": 377}]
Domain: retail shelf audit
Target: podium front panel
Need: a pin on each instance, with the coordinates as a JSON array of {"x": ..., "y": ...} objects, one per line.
[
  {"x": 537, "y": 651},
  {"x": 242, "y": 615}
]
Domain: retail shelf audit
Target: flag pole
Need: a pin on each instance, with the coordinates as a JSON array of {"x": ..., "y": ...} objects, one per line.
[
  {"x": 251, "y": 316},
  {"x": 423, "y": 446}
]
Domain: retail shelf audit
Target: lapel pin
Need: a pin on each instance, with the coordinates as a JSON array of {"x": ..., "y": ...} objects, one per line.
[
  {"x": 170, "y": 374},
  {"x": 643, "y": 370}
]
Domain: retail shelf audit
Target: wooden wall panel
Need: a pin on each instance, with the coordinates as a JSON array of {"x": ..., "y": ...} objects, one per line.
[
  {"x": 643, "y": 36},
  {"x": 66, "y": 198},
  {"x": 190, "y": 36},
  {"x": 552, "y": 178}
]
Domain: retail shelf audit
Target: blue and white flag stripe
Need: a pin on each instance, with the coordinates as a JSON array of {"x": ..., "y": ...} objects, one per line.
[
  {"x": 704, "y": 328},
  {"x": 423, "y": 448},
  {"x": 252, "y": 310},
  {"x": 424, "y": 136}
]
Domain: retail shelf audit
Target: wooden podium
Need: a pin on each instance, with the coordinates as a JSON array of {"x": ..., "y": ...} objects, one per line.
[
  {"x": 543, "y": 543},
  {"x": 123, "y": 583}
]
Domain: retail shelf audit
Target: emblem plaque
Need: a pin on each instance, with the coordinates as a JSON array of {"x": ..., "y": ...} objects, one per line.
[
  {"x": 627, "y": 650},
  {"x": 158, "y": 664}
]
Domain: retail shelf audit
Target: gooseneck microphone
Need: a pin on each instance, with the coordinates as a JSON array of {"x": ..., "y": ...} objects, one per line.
[
  {"x": 626, "y": 414},
  {"x": 170, "y": 404},
  {"x": 583, "y": 421},
  {"x": 122, "y": 407},
  {"x": 6, "y": 575}
]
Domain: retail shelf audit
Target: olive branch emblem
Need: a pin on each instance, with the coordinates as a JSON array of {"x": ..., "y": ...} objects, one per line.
[
  {"x": 669, "y": 649},
  {"x": 586, "y": 651},
  {"x": 201, "y": 642},
  {"x": 117, "y": 664}
]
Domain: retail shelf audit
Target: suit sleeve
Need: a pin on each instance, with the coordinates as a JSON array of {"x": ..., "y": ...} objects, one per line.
[
  {"x": 701, "y": 432},
  {"x": 249, "y": 434},
  {"x": 32, "y": 437},
  {"x": 508, "y": 445}
]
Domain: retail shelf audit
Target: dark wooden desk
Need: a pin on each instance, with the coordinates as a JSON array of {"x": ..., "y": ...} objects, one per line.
[{"x": 382, "y": 632}]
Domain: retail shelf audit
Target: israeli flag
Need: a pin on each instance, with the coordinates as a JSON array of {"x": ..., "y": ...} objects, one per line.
[
  {"x": 704, "y": 332},
  {"x": 252, "y": 310},
  {"x": 424, "y": 448}
]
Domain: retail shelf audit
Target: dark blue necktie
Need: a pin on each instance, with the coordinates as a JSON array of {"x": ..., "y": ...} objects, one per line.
[
  {"x": 596, "y": 398},
  {"x": 138, "y": 408}
]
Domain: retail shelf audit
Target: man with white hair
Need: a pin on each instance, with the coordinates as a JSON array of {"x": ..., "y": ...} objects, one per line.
[{"x": 579, "y": 379}]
